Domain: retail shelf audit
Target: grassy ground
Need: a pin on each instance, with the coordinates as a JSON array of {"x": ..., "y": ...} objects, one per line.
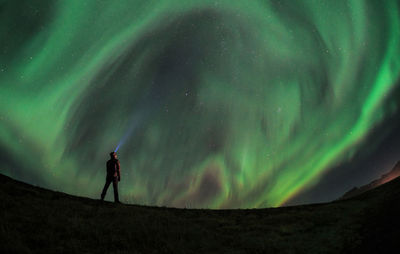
[{"x": 35, "y": 220}]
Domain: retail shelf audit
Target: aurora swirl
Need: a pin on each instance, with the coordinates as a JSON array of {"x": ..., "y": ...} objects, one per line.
[{"x": 217, "y": 104}]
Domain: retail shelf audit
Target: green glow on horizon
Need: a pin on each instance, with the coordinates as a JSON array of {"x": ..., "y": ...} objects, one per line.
[{"x": 235, "y": 103}]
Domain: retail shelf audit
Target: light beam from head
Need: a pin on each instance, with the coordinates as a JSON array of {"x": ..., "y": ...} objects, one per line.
[{"x": 132, "y": 127}]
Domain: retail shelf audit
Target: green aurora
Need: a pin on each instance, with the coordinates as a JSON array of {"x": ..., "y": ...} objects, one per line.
[{"x": 217, "y": 104}]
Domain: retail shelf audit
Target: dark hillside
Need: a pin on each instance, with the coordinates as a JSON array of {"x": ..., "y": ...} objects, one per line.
[
  {"x": 394, "y": 173},
  {"x": 35, "y": 220}
]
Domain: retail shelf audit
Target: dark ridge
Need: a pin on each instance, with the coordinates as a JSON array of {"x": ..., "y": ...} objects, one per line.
[
  {"x": 36, "y": 220},
  {"x": 355, "y": 191}
]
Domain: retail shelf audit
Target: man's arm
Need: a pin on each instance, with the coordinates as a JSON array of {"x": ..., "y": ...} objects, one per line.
[{"x": 119, "y": 171}]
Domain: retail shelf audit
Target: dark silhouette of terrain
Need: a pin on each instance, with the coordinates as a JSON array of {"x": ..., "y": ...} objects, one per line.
[
  {"x": 394, "y": 173},
  {"x": 36, "y": 220}
]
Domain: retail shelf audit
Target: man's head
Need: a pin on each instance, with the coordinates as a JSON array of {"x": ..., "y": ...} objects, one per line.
[{"x": 113, "y": 155}]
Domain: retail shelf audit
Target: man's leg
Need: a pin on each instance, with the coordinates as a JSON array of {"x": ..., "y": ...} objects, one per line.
[
  {"x": 115, "y": 187},
  {"x": 103, "y": 193}
]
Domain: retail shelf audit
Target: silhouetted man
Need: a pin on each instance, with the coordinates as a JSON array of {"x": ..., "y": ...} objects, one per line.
[{"x": 113, "y": 175}]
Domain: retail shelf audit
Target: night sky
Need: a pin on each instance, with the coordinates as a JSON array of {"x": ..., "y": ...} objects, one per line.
[{"x": 211, "y": 104}]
